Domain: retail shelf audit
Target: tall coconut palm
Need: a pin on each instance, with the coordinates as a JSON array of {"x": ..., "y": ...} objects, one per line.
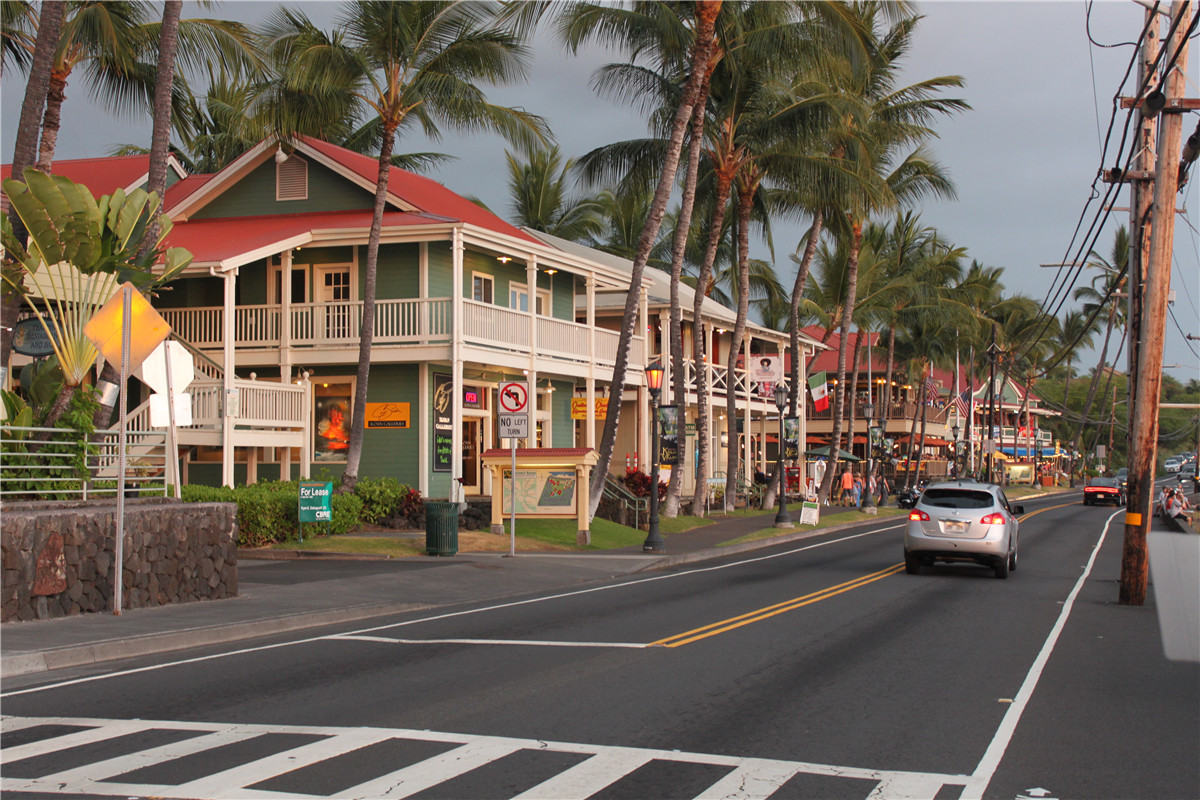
[
  {"x": 537, "y": 187},
  {"x": 41, "y": 62},
  {"x": 653, "y": 27},
  {"x": 898, "y": 120},
  {"x": 409, "y": 63},
  {"x": 1075, "y": 330},
  {"x": 1101, "y": 298},
  {"x": 116, "y": 43}
]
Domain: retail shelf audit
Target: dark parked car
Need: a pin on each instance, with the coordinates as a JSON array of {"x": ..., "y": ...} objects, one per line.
[{"x": 1103, "y": 490}]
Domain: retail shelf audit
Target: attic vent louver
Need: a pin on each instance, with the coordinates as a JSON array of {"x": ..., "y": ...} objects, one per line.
[{"x": 291, "y": 179}]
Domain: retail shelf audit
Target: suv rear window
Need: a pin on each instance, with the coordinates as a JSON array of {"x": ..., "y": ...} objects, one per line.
[{"x": 957, "y": 498}]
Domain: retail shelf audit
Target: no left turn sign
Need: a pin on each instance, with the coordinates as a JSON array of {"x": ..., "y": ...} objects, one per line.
[{"x": 514, "y": 398}]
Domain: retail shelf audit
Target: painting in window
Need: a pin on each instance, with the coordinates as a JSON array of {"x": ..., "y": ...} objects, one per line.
[{"x": 332, "y": 432}]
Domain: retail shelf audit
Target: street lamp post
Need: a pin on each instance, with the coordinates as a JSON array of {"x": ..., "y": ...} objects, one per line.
[
  {"x": 957, "y": 468},
  {"x": 782, "y": 519},
  {"x": 869, "y": 498},
  {"x": 654, "y": 542}
]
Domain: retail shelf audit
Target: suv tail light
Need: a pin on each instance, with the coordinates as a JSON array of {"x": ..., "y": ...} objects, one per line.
[
  {"x": 993, "y": 519},
  {"x": 918, "y": 516}
]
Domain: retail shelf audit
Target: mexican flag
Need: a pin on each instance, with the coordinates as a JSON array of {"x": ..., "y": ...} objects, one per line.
[{"x": 820, "y": 392}]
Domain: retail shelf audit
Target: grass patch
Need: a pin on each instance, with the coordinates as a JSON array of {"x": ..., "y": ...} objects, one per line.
[
  {"x": 389, "y": 546},
  {"x": 828, "y": 520}
]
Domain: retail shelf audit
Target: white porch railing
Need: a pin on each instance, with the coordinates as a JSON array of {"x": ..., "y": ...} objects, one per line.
[{"x": 415, "y": 322}]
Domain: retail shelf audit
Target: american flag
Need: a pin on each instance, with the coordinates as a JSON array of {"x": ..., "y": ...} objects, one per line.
[
  {"x": 932, "y": 390},
  {"x": 960, "y": 403}
]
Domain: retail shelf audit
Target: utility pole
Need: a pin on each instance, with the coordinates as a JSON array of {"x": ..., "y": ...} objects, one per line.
[
  {"x": 1141, "y": 198},
  {"x": 1143, "y": 435}
]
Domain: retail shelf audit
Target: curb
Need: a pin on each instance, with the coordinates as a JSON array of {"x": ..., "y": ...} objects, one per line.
[{"x": 155, "y": 643}]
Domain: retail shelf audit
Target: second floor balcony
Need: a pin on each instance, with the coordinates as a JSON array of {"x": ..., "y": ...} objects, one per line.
[{"x": 414, "y": 323}]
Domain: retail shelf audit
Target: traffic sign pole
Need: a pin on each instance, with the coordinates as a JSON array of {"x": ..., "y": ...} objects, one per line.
[{"x": 514, "y": 424}]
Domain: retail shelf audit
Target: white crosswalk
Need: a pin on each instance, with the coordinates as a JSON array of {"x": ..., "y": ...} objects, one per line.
[{"x": 599, "y": 768}]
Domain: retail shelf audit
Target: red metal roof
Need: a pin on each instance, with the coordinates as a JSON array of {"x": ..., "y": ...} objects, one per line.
[
  {"x": 100, "y": 175},
  {"x": 213, "y": 241},
  {"x": 424, "y": 193}
]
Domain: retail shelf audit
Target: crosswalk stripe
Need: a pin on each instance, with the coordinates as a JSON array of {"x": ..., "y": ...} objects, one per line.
[
  {"x": 747, "y": 779},
  {"x": 590, "y": 776},
  {"x": 432, "y": 771},
  {"x": 227, "y": 783}
]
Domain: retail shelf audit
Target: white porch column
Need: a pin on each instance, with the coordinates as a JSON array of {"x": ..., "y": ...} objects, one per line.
[
  {"x": 424, "y": 427},
  {"x": 802, "y": 411},
  {"x": 456, "y": 364},
  {"x": 747, "y": 448},
  {"x": 589, "y": 436},
  {"x": 229, "y": 406},
  {"x": 643, "y": 438},
  {"x": 667, "y": 397},
  {"x": 285, "y": 311},
  {"x": 643, "y": 325}
]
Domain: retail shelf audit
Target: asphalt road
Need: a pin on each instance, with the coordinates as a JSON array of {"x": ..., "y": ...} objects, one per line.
[{"x": 817, "y": 669}]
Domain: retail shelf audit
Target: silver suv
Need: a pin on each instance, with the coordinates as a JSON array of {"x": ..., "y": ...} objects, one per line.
[{"x": 962, "y": 521}]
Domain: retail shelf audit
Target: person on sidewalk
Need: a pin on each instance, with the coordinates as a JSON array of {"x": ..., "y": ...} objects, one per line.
[
  {"x": 858, "y": 489},
  {"x": 885, "y": 488},
  {"x": 847, "y": 487}
]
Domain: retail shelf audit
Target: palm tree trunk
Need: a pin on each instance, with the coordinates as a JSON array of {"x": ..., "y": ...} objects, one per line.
[
  {"x": 366, "y": 336},
  {"x": 25, "y": 152},
  {"x": 921, "y": 448},
  {"x": 839, "y": 396},
  {"x": 810, "y": 250},
  {"x": 699, "y": 345},
  {"x": 679, "y": 379},
  {"x": 853, "y": 404},
  {"x": 706, "y": 18},
  {"x": 1091, "y": 395},
  {"x": 745, "y": 204},
  {"x": 52, "y": 119},
  {"x": 912, "y": 434}
]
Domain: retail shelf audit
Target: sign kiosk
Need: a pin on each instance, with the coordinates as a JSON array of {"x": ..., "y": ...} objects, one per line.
[{"x": 548, "y": 482}]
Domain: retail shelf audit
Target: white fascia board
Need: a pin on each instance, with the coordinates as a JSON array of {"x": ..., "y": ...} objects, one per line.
[
  {"x": 240, "y": 166},
  {"x": 265, "y": 251},
  {"x": 336, "y": 166}
]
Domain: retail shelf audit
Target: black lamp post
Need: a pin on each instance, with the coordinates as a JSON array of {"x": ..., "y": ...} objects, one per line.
[
  {"x": 782, "y": 519},
  {"x": 957, "y": 469},
  {"x": 654, "y": 542},
  {"x": 868, "y": 494}
]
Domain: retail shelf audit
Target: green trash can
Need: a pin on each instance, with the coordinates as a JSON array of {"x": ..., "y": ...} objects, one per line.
[{"x": 441, "y": 528}]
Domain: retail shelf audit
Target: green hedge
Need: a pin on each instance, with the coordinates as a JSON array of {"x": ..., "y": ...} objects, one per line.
[{"x": 269, "y": 512}]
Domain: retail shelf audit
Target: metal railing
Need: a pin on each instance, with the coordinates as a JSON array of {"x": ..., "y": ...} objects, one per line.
[{"x": 62, "y": 464}]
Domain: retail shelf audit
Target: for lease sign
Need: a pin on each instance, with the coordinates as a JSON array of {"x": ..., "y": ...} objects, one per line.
[{"x": 316, "y": 501}]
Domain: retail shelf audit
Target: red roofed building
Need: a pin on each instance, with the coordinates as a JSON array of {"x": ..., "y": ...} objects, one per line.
[{"x": 272, "y": 302}]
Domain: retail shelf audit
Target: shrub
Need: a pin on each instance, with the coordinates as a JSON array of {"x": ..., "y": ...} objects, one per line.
[
  {"x": 347, "y": 514},
  {"x": 266, "y": 515},
  {"x": 381, "y": 498},
  {"x": 638, "y": 483}
]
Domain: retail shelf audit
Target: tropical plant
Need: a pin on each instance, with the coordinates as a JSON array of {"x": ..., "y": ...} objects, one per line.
[
  {"x": 79, "y": 250},
  {"x": 410, "y": 63},
  {"x": 540, "y": 199}
]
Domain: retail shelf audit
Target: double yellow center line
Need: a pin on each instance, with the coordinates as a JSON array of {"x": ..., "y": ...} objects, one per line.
[{"x": 770, "y": 611}]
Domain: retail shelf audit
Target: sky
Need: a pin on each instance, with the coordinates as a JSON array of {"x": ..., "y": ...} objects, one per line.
[{"x": 1024, "y": 158}]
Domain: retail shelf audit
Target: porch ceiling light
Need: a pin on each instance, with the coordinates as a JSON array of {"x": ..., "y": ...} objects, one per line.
[{"x": 504, "y": 259}]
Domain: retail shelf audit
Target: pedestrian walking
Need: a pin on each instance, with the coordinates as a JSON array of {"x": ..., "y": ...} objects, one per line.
[{"x": 847, "y": 487}]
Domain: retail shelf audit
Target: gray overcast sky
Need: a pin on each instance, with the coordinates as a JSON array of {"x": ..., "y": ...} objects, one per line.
[{"x": 1023, "y": 159}]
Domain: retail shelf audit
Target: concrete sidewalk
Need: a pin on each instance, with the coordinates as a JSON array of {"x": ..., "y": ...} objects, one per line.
[{"x": 278, "y": 596}]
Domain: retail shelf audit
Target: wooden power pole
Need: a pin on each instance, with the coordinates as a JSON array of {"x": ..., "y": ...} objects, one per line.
[{"x": 1143, "y": 435}]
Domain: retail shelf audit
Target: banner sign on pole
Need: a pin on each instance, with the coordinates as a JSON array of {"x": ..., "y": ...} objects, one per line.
[
  {"x": 791, "y": 438},
  {"x": 668, "y": 436}
]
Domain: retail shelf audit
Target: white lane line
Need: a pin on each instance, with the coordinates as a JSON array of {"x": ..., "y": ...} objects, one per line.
[
  {"x": 519, "y": 642},
  {"x": 995, "y": 752},
  {"x": 438, "y": 617}
]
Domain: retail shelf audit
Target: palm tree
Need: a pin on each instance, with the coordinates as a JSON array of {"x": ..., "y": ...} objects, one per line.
[
  {"x": 1076, "y": 330},
  {"x": 896, "y": 119},
  {"x": 41, "y": 61},
  {"x": 409, "y": 63},
  {"x": 656, "y": 28},
  {"x": 116, "y": 42},
  {"x": 1100, "y": 298},
  {"x": 538, "y": 188}
]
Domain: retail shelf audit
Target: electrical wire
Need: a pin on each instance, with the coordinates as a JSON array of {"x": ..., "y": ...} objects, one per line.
[{"x": 1060, "y": 296}]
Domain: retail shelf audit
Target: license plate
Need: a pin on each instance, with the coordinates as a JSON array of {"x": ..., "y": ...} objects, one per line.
[{"x": 955, "y": 527}]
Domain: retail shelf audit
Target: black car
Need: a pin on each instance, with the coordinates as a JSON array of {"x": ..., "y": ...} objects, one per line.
[
  {"x": 1103, "y": 490},
  {"x": 1122, "y": 478}
]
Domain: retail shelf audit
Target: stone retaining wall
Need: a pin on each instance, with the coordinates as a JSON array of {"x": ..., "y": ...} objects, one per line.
[{"x": 57, "y": 557}]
